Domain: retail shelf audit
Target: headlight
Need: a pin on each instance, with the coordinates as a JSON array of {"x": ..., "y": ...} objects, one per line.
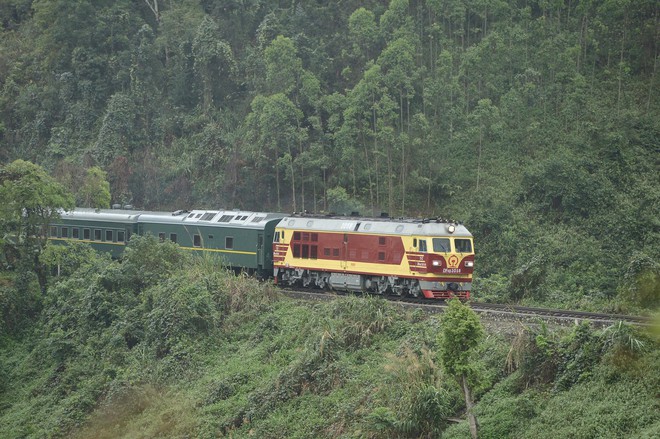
[
  {"x": 451, "y": 228},
  {"x": 436, "y": 263},
  {"x": 469, "y": 264}
]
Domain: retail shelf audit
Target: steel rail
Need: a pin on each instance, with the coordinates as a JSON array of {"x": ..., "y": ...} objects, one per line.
[{"x": 496, "y": 309}]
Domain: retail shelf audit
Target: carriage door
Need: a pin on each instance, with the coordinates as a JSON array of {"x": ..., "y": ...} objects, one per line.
[
  {"x": 344, "y": 252},
  {"x": 260, "y": 250}
]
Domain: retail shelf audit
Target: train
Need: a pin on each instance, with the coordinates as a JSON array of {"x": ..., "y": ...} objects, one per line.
[{"x": 431, "y": 258}]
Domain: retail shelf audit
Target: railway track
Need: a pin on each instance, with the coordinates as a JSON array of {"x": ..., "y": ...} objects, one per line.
[{"x": 494, "y": 310}]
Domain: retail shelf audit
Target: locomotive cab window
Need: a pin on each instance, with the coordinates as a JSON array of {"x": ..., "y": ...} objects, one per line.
[
  {"x": 463, "y": 245},
  {"x": 229, "y": 242},
  {"x": 422, "y": 245},
  {"x": 277, "y": 237},
  {"x": 441, "y": 245},
  {"x": 197, "y": 240}
]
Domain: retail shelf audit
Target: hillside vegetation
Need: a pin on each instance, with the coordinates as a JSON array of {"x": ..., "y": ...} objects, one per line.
[
  {"x": 162, "y": 346},
  {"x": 535, "y": 122}
]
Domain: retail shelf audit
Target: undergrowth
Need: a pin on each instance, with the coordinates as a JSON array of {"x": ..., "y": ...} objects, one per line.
[{"x": 169, "y": 347}]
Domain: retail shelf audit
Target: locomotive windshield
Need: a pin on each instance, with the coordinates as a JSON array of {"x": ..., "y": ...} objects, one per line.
[
  {"x": 441, "y": 245},
  {"x": 463, "y": 245}
]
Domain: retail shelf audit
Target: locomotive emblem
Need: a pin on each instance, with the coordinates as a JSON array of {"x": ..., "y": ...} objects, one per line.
[{"x": 453, "y": 261}]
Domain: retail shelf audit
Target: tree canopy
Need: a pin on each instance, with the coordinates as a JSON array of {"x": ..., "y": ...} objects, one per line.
[
  {"x": 31, "y": 200},
  {"x": 536, "y": 123}
]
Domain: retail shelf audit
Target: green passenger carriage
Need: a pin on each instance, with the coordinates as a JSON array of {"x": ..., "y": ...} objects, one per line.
[
  {"x": 242, "y": 239},
  {"x": 106, "y": 230}
]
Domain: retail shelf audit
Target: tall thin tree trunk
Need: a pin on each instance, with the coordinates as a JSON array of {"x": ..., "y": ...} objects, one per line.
[
  {"x": 469, "y": 405},
  {"x": 293, "y": 179},
  {"x": 481, "y": 137},
  {"x": 376, "y": 157},
  {"x": 621, "y": 56},
  {"x": 655, "y": 64},
  {"x": 277, "y": 184}
]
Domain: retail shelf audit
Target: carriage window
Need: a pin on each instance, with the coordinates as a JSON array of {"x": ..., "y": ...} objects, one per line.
[
  {"x": 75, "y": 233},
  {"x": 173, "y": 237},
  {"x": 382, "y": 240},
  {"x": 161, "y": 236},
  {"x": 335, "y": 252},
  {"x": 441, "y": 245},
  {"x": 422, "y": 245},
  {"x": 120, "y": 236},
  {"x": 97, "y": 234},
  {"x": 229, "y": 242},
  {"x": 108, "y": 235},
  {"x": 197, "y": 240},
  {"x": 65, "y": 232},
  {"x": 86, "y": 234},
  {"x": 53, "y": 232},
  {"x": 463, "y": 245},
  {"x": 326, "y": 252},
  {"x": 381, "y": 256}
]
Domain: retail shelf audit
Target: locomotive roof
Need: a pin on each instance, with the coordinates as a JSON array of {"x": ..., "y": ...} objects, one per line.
[{"x": 407, "y": 227}]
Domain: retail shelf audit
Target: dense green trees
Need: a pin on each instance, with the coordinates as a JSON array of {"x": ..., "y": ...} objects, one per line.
[
  {"x": 31, "y": 200},
  {"x": 546, "y": 109}
]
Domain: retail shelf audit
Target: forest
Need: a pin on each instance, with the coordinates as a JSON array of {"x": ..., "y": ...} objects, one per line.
[{"x": 535, "y": 122}]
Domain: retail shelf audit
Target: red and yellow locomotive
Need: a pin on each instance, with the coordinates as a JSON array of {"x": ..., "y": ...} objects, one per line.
[{"x": 430, "y": 258}]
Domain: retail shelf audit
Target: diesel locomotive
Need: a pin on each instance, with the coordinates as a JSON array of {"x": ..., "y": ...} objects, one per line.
[{"x": 430, "y": 258}]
